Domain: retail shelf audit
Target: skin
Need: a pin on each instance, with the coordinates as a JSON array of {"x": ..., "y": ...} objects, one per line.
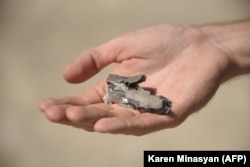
[{"x": 184, "y": 64}]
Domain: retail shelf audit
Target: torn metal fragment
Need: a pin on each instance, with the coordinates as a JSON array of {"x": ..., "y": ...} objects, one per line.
[{"x": 125, "y": 91}]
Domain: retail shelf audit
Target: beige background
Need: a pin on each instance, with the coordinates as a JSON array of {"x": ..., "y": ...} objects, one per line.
[{"x": 38, "y": 38}]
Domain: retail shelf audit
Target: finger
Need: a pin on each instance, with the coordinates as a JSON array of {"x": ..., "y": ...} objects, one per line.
[
  {"x": 94, "y": 94},
  {"x": 137, "y": 125},
  {"x": 71, "y": 100},
  {"x": 90, "y": 96},
  {"x": 85, "y": 117},
  {"x": 91, "y": 62},
  {"x": 88, "y": 115},
  {"x": 58, "y": 114}
]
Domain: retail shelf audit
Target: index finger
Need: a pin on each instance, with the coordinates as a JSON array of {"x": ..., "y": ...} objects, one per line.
[{"x": 92, "y": 95}]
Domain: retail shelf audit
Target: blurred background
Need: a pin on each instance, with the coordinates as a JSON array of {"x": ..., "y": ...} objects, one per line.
[{"x": 38, "y": 38}]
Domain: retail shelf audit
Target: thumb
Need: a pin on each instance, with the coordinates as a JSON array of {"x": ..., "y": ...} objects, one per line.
[{"x": 90, "y": 62}]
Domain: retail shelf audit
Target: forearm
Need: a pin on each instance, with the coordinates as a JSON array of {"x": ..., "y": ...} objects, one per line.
[{"x": 234, "y": 40}]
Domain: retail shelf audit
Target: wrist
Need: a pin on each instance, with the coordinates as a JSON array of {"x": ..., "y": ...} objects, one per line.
[{"x": 234, "y": 40}]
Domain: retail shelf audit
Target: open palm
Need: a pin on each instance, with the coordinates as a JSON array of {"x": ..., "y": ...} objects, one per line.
[{"x": 180, "y": 64}]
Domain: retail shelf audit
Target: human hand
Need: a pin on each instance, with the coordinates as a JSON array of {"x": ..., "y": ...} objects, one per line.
[{"x": 180, "y": 63}]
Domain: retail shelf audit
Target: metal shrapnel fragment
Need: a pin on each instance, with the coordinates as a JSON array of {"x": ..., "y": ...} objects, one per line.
[{"x": 124, "y": 90}]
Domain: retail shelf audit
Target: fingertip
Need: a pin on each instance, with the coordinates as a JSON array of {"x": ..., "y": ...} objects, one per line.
[
  {"x": 45, "y": 104},
  {"x": 72, "y": 73},
  {"x": 42, "y": 106},
  {"x": 75, "y": 114},
  {"x": 66, "y": 73},
  {"x": 56, "y": 114},
  {"x": 51, "y": 101},
  {"x": 101, "y": 127},
  {"x": 109, "y": 125},
  {"x": 87, "y": 64}
]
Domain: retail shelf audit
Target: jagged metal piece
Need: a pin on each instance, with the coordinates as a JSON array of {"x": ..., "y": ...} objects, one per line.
[{"x": 124, "y": 90}]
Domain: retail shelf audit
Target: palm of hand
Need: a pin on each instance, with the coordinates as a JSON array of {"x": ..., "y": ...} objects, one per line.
[{"x": 177, "y": 63}]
